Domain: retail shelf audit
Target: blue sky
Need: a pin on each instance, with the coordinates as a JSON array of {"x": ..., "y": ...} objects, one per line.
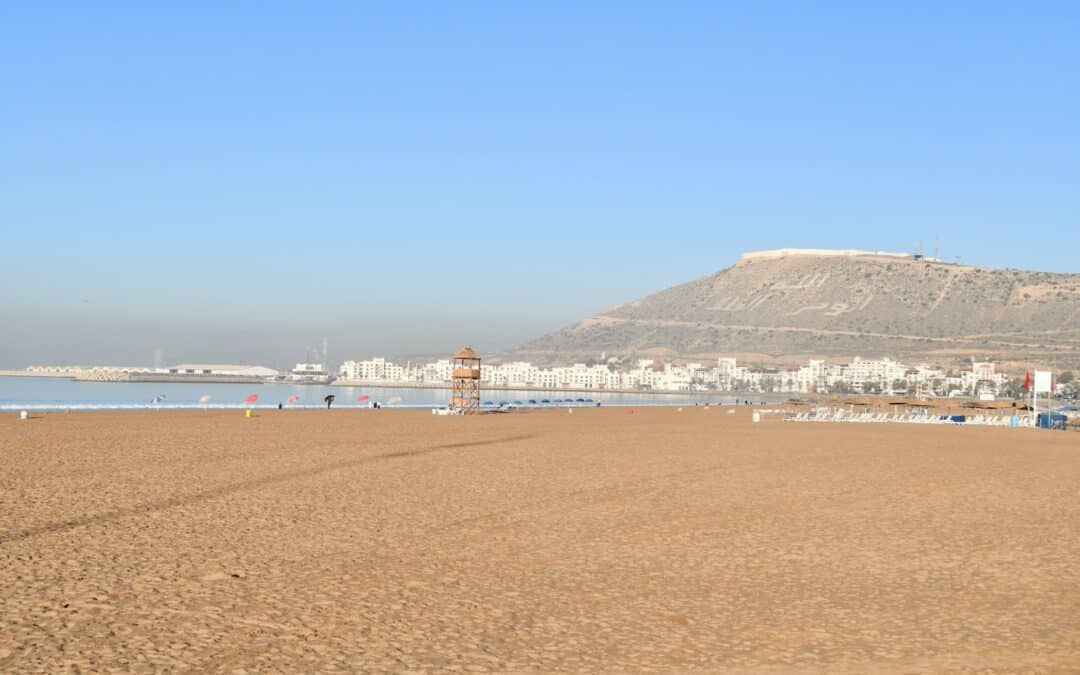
[{"x": 181, "y": 177}]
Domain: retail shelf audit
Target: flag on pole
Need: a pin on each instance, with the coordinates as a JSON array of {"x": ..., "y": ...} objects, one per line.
[{"x": 1027, "y": 381}]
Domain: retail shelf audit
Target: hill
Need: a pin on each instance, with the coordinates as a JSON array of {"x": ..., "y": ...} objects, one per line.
[{"x": 782, "y": 307}]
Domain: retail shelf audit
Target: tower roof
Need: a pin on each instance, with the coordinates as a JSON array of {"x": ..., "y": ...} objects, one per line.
[{"x": 466, "y": 353}]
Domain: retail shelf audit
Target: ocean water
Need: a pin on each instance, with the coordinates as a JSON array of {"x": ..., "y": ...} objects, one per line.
[{"x": 48, "y": 393}]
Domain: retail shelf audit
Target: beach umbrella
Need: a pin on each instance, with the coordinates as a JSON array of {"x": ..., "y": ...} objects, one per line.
[
  {"x": 251, "y": 398},
  {"x": 205, "y": 398},
  {"x": 361, "y": 398},
  {"x": 394, "y": 399},
  {"x": 292, "y": 399},
  {"x": 328, "y": 400}
]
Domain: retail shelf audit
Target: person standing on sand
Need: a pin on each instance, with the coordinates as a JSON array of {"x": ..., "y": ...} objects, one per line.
[{"x": 329, "y": 400}]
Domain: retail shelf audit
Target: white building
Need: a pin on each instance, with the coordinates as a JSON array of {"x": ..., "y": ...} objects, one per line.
[{"x": 212, "y": 369}]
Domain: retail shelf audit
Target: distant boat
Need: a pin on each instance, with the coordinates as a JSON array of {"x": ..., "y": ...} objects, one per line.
[{"x": 309, "y": 373}]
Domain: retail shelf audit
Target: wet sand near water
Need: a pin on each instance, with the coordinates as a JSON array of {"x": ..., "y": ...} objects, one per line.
[{"x": 665, "y": 541}]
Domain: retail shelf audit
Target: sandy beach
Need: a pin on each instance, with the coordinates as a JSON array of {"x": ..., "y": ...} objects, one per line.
[{"x": 603, "y": 540}]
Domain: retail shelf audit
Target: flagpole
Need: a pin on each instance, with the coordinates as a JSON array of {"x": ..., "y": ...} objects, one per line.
[
  {"x": 1031, "y": 388},
  {"x": 1034, "y": 405}
]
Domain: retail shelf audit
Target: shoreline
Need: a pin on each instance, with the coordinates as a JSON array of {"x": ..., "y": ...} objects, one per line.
[
  {"x": 43, "y": 408},
  {"x": 240, "y": 379}
]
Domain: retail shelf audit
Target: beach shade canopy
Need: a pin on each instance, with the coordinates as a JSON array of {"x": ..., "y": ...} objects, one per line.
[
  {"x": 361, "y": 398},
  {"x": 292, "y": 399},
  {"x": 205, "y": 398},
  {"x": 251, "y": 398},
  {"x": 987, "y": 405},
  {"x": 329, "y": 398}
]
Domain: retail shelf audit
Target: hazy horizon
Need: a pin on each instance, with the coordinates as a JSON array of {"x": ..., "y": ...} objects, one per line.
[{"x": 235, "y": 183}]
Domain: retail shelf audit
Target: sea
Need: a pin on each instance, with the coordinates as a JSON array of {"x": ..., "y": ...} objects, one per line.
[{"x": 53, "y": 394}]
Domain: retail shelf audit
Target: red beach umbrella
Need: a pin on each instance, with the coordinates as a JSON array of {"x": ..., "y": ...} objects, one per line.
[
  {"x": 361, "y": 398},
  {"x": 292, "y": 399},
  {"x": 251, "y": 398}
]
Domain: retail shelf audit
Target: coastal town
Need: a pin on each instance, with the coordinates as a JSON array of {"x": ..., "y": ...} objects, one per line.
[
  {"x": 883, "y": 376},
  {"x": 863, "y": 376}
]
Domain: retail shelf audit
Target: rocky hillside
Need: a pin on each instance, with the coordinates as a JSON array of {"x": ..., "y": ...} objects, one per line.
[{"x": 786, "y": 306}]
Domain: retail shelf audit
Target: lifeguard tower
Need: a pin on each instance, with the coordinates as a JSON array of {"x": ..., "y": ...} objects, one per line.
[{"x": 465, "y": 399}]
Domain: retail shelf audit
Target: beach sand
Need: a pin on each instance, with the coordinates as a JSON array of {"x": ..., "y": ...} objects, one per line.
[{"x": 603, "y": 540}]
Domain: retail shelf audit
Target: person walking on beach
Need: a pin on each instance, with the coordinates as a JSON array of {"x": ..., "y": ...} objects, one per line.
[{"x": 329, "y": 400}]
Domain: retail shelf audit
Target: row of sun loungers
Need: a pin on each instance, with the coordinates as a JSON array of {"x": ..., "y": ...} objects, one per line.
[{"x": 867, "y": 417}]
